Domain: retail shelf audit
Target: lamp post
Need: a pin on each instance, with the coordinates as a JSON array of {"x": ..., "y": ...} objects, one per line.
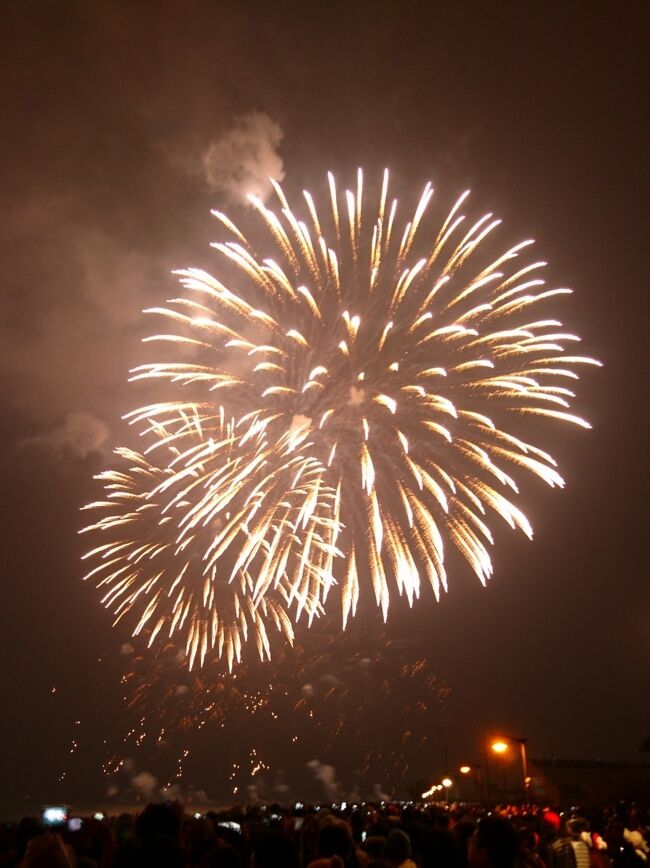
[
  {"x": 474, "y": 769},
  {"x": 524, "y": 767},
  {"x": 502, "y": 745}
]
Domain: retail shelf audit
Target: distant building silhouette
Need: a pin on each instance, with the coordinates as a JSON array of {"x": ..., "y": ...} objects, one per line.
[{"x": 573, "y": 781}]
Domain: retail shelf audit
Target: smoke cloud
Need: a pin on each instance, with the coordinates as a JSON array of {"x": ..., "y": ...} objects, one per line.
[
  {"x": 145, "y": 784},
  {"x": 80, "y": 435},
  {"x": 280, "y": 786},
  {"x": 379, "y": 795},
  {"x": 241, "y": 162},
  {"x": 326, "y": 775}
]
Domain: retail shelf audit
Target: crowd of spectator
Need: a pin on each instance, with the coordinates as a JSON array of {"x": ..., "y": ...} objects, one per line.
[{"x": 385, "y": 835}]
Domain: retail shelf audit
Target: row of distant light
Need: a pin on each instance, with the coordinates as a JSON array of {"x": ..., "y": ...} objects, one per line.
[
  {"x": 55, "y": 815},
  {"x": 445, "y": 783}
]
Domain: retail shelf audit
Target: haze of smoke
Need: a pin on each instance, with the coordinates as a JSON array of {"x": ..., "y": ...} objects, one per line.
[
  {"x": 61, "y": 324},
  {"x": 145, "y": 784},
  {"x": 245, "y": 157},
  {"x": 118, "y": 279},
  {"x": 81, "y": 434},
  {"x": 378, "y": 793},
  {"x": 326, "y": 774},
  {"x": 281, "y": 788}
]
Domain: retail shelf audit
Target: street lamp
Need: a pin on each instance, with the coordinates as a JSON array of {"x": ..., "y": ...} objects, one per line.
[
  {"x": 502, "y": 745},
  {"x": 473, "y": 769}
]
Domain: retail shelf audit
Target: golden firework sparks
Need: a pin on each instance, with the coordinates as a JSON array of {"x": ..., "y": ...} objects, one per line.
[{"x": 352, "y": 405}]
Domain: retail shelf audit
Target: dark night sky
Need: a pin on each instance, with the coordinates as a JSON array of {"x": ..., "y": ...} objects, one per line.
[{"x": 107, "y": 107}]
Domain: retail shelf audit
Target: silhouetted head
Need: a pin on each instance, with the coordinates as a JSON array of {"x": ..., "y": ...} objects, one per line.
[
  {"x": 398, "y": 847},
  {"x": 494, "y": 844}
]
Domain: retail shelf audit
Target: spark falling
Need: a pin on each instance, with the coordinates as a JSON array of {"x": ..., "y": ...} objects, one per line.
[{"x": 293, "y": 708}]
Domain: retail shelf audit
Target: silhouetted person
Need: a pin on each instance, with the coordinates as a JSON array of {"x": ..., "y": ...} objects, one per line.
[
  {"x": 158, "y": 838},
  {"x": 48, "y": 851},
  {"x": 493, "y": 844},
  {"x": 555, "y": 847},
  {"x": 272, "y": 850},
  {"x": 440, "y": 847},
  {"x": 398, "y": 850},
  {"x": 336, "y": 847}
]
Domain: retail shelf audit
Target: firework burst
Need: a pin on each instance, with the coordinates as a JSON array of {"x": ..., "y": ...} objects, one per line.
[
  {"x": 244, "y": 516},
  {"x": 343, "y": 409}
]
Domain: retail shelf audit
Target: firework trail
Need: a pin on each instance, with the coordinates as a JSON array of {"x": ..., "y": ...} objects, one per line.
[{"x": 342, "y": 411}]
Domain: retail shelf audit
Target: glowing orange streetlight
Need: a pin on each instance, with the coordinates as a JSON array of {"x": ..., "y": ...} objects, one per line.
[
  {"x": 474, "y": 770},
  {"x": 502, "y": 745}
]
